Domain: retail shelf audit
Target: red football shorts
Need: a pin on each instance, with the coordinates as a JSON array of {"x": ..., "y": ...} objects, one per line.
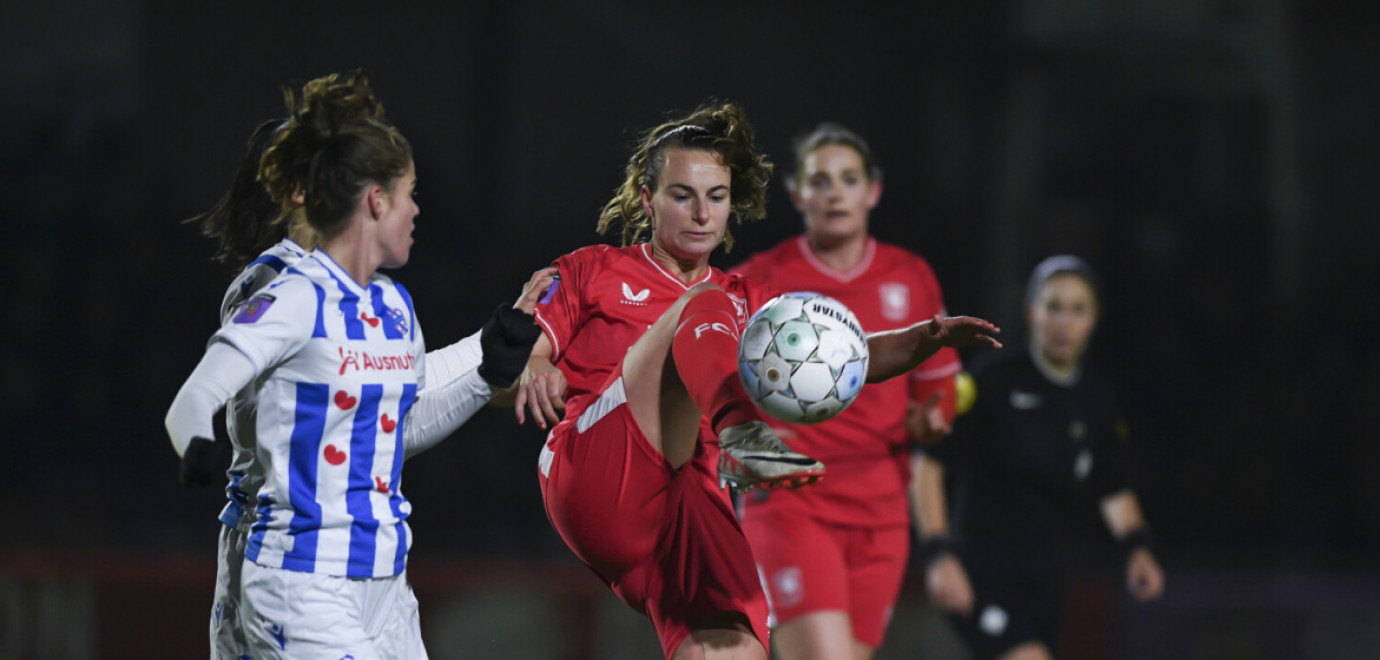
[
  {"x": 810, "y": 565},
  {"x": 665, "y": 540}
]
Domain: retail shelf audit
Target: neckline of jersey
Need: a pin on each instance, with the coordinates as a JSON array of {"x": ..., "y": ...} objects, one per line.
[
  {"x": 842, "y": 276},
  {"x": 647, "y": 254},
  {"x": 292, "y": 246},
  {"x": 325, "y": 259},
  {"x": 1054, "y": 377}
]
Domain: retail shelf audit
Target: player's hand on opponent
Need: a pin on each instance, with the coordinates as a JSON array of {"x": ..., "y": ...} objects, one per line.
[
  {"x": 948, "y": 585},
  {"x": 203, "y": 460},
  {"x": 533, "y": 290},
  {"x": 960, "y": 331},
  {"x": 509, "y": 334},
  {"x": 541, "y": 391},
  {"x": 925, "y": 421},
  {"x": 1144, "y": 577}
]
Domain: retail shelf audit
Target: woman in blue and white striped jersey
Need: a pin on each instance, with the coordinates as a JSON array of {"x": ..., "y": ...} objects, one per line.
[{"x": 333, "y": 358}]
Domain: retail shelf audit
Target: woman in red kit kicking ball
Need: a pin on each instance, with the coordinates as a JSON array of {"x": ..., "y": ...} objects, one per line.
[{"x": 639, "y": 350}]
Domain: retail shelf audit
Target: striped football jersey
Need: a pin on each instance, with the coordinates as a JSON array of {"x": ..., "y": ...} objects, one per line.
[{"x": 338, "y": 367}]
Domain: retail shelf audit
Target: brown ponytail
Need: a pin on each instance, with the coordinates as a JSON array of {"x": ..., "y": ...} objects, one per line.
[{"x": 334, "y": 144}]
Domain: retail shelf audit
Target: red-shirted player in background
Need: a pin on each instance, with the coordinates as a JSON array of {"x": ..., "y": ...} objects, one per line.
[
  {"x": 640, "y": 350},
  {"x": 833, "y": 557}
]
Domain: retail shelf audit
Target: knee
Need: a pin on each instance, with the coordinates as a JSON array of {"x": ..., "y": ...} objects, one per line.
[
  {"x": 702, "y": 287},
  {"x": 703, "y": 297}
]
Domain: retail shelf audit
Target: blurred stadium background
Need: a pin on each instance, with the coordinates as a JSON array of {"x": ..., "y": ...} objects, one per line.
[{"x": 1215, "y": 159}]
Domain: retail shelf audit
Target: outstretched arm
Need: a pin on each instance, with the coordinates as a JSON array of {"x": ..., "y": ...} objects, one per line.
[
  {"x": 895, "y": 352},
  {"x": 479, "y": 367}
]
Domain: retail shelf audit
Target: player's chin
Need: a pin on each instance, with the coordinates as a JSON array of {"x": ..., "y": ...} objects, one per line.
[
  {"x": 697, "y": 247},
  {"x": 397, "y": 261}
]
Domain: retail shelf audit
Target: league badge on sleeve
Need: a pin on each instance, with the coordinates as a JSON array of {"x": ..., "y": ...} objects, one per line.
[
  {"x": 254, "y": 309},
  {"x": 550, "y": 291}
]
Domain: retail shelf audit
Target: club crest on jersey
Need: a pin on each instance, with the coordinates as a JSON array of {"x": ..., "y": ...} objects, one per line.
[
  {"x": 639, "y": 298},
  {"x": 398, "y": 319},
  {"x": 739, "y": 308},
  {"x": 254, "y": 309},
  {"x": 895, "y": 300}
]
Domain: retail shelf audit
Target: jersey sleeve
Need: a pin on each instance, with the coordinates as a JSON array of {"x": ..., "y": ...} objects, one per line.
[
  {"x": 276, "y": 322},
  {"x": 922, "y": 389},
  {"x": 560, "y": 310},
  {"x": 968, "y": 429},
  {"x": 937, "y": 373},
  {"x": 250, "y": 281}
]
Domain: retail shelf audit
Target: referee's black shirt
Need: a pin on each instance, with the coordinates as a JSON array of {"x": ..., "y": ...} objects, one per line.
[{"x": 1025, "y": 462}]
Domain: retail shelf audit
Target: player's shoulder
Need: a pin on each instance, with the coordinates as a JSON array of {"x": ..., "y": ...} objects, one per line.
[
  {"x": 598, "y": 252},
  {"x": 774, "y": 260},
  {"x": 889, "y": 254},
  {"x": 586, "y": 262},
  {"x": 789, "y": 251},
  {"x": 302, "y": 279}
]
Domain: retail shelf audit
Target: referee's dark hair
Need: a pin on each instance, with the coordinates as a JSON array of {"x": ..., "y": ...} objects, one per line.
[{"x": 1059, "y": 264}]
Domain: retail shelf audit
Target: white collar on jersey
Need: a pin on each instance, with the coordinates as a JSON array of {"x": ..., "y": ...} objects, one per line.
[
  {"x": 325, "y": 259},
  {"x": 293, "y": 246},
  {"x": 1047, "y": 370},
  {"x": 647, "y": 253}
]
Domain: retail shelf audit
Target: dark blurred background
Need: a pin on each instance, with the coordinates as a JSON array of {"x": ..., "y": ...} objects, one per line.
[{"x": 1214, "y": 159}]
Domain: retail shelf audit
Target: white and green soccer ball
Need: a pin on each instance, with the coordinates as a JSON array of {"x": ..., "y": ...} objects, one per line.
[{"x": 803, "y": 357}]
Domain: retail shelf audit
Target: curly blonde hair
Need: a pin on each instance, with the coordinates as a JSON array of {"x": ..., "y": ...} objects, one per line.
[{"x": 719, "y": 128}]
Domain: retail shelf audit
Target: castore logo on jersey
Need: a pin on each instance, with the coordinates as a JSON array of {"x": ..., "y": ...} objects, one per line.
[{"x": 639, "y": 298}]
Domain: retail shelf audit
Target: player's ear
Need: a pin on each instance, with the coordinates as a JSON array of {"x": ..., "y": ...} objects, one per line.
[
  {"x": 375, "y": 199},
  {"x": 795, "y": 198},
  {"x": 874, "y": 194},
  {"x": 646, "y": 195}
]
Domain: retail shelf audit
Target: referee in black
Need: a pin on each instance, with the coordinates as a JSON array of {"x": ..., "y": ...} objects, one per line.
[{"x": 1043, "y": 440}]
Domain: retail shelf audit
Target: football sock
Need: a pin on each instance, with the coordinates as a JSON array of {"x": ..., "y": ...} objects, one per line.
[{"x": 705, "y": 350}]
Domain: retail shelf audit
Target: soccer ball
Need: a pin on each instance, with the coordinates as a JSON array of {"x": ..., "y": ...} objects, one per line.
[{"x": 803, "y": 357}]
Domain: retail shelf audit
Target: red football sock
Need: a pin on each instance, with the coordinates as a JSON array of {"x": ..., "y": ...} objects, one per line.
[{"x": 705, "y": 350}]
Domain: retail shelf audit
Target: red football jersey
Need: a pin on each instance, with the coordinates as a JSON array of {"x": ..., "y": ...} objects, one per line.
[
  {"x": 607, "y": 297},
  {"x": 865, "y": 449}
]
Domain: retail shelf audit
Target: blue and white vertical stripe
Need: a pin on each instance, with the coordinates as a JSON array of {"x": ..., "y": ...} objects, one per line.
[{"x": 331, "y": 423}]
